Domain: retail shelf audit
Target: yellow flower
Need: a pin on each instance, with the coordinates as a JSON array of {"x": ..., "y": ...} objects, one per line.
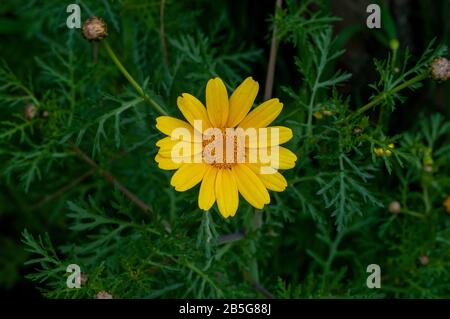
[
  {"x": 223, "y": 162},
  {"x": 320, "y": 114},
  {"x": 447, "y": 204},
  {"x": 380, "y": 151}
]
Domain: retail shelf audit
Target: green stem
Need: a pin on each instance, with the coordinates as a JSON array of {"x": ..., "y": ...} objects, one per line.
[
  {"x": 254, "y": 226},
  {"x": 412, "y": 213},
  {"x": 309, "y": 129},
  {"x": 381, "y": 97},
  {"x": 428, "y": 208},
  {"x": 329, "y": 262},
  {"x": 394, "y": 59},
  {"x": 72, "y": 89},
  {"x": 309, "y": 125},
  {"x": 132, "y": 81},
  {"x": 203, "y": 276}
]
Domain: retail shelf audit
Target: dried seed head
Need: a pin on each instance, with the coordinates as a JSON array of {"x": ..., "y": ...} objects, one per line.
[
  {"x": 95, "y": 29},
  {"x": 424, "y": 260},
  {"x": 440, "y": 69},
  {"x": 103, "y": 295},
  {"x": 428, "y": 168},
  {"x": 83, "y": 278},
  {"x": 394, "y": 207},
  {"x": 357, "y": 130},
  {"x": 45, "y": 114},
  {"x": 29, "y": 111}
]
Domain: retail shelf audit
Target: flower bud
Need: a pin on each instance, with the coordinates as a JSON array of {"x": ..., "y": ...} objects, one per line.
[
  {"x": 428, "y": 168},
  {"x": 424, "y": 260},
  {"x": 103, "y": 295},
  {"x": 440, "y": 69},
  {"x": 29, "y": 111},
  {"x": 318, "y": 115},
  {"x": 357, "y": 130},
  {"x": 394, "y": 44},
  {"x": 427, "y": 157},
  {"x": 394, "y": 207},
  {"x": 380, "y": 151},
  {"x": 447, "y": 204},
  {"x": 95, "y": 29},
  {"x": 390, "y": 147},
  {"x": 83, "y": 278}
]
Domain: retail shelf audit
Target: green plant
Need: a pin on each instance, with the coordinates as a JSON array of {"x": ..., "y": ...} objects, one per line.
[{"x": 82, "y": 169}]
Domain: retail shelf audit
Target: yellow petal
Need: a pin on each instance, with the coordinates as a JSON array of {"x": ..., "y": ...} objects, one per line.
[
  {"x": 217, "y": 102},
  {"x": 166, "y": 145},
  {"x": 226, "y": 192},
  {"x": 187, "y": 176},
  {"x": 170, "y": 125},
  {"x": 166, "y": 163},
  {"x": 287, "y": 158},
  {"x": 241, "y": 101},
  {"x": 264, "y": 157},
  {"x": 193, "y": 109},
  {"x": 165, "y": 141},
  {"x": 206, "y": 196},
  {"x": 250, "y": 186},
  {"x": 265, "y": 137},
  {"x": 275, "y": 182},
  {"x": 262, "y": 115}
]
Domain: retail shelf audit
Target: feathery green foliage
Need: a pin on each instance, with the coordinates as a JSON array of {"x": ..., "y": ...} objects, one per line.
[{"x": 68, "y": 170}]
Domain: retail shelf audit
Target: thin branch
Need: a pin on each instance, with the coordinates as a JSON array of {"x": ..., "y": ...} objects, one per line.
[
  {"x": 95, "y": 52},
  {"x": 228, "y": 238},
  {"x": 158, "y": 108},
  {"x": 110, "y": 178},
  {"x": 255, "y": 226},
  {"x": 162, "y": 32},
  {"x": 383, "y": 96},
  {"x": 272, "y": 58},
  {"x": 63, "y": 189},
  {"x": 263, "y": 291}
]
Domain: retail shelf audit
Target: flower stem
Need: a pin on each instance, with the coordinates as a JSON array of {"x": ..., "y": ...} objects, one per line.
[
  {"x": 412, "y": 213},
  {"x": 162, "y": 32},
  {"x": 255, "y": 225},
  {"x": 272, "y": 58},
  {"x": 384, "y": 95},
  {"x": 132, "y": 81}
]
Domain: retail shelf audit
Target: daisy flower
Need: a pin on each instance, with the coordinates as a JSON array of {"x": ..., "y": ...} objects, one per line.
[{"x": 225, "y": 163}]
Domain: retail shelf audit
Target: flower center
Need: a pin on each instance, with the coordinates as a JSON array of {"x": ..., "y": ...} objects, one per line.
[{"x": 222, "y": 150}]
